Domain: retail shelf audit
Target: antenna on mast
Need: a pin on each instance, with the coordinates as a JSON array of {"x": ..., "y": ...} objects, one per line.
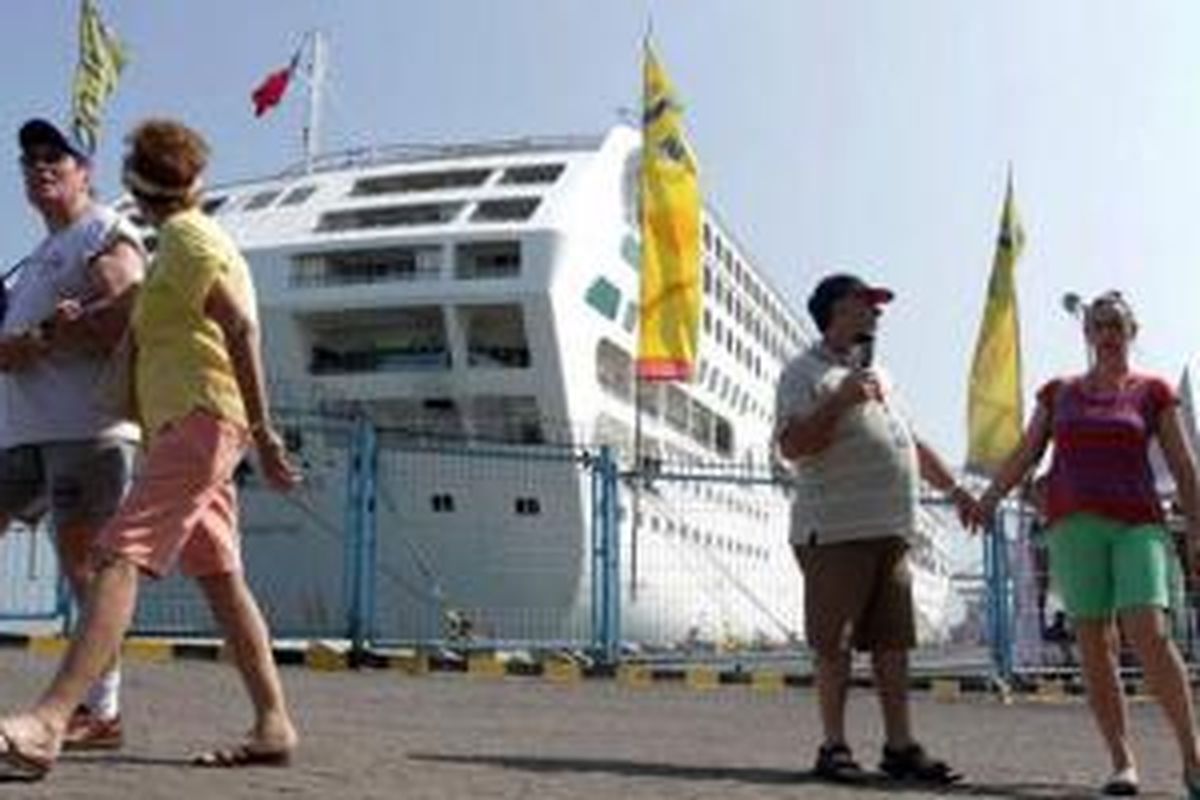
[{"x": 316, "y": 83}]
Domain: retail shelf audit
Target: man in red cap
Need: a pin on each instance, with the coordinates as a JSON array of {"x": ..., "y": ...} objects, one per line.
[{"x": 858, "y": 467}]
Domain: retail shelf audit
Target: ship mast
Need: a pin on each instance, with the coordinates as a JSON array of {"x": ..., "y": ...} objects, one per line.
[{"x": 316, "y": 83}]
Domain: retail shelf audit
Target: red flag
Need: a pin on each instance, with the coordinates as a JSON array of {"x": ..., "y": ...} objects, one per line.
[{"x": 271, "y": 91}]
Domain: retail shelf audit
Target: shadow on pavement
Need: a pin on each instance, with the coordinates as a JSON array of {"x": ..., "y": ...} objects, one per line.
[
  {"x": 876, "y": 783},
  {"x": 128, "y": 758}
]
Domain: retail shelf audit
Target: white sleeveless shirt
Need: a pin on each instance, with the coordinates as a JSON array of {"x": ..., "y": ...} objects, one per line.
[{"x": 55, "y": 399}]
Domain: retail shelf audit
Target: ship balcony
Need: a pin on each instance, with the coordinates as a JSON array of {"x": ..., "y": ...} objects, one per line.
[
  {"x": 411, "y": 339},
  {"x": 366, "y": 266},
  {"x": 516, "y": 357},
  {"x": 326, "y": 361}
]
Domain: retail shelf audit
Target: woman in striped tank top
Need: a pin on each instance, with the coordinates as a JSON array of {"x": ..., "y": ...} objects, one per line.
[{"x": 1111, "y": 555}]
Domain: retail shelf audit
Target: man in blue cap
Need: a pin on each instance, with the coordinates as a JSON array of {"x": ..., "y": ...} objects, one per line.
[{"x": 67, "y": 302}]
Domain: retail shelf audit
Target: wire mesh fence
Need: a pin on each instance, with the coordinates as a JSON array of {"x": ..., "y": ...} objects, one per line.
[
  {"x": 397, "y": 539},
  {"x": 30, "y": 587}
]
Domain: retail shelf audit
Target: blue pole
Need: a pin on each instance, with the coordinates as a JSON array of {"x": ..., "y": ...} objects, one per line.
[
  {"x": 1008, "y": 607},
  {"x": 597, "y": 561},
  {"x": 356, "y": 500},
  {"x": 612, "y": 581},
  {"x": 606, "y": 575},
  {"x": 368, "y": 535},
  {"x": 999, "y": 601}
]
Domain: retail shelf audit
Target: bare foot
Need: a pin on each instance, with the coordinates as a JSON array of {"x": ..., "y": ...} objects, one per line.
[
  {"x": 271, "y": 743},
  {"x": 29, "y": 746}
]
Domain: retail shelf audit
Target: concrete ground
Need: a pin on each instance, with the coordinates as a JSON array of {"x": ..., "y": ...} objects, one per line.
[{"x": 385, "y": 735}]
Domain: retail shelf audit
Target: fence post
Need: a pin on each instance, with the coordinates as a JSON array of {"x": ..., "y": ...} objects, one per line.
[
  {"x": 606, "y": 572},
  {"x": 999, "y": 604},
  {"x": 359, "y": 572}
]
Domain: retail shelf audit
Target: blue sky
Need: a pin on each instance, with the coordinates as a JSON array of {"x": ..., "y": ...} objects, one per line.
[{"x": 872, "y": 136}]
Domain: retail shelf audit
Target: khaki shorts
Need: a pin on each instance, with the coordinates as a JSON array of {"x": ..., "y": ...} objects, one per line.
[
  {"x": 182, "y": 507},
  {"x": 858, "y": 594},
  {"x": 82, "y": 482}
]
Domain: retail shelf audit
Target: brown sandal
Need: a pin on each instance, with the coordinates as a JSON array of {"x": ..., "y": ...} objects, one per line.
[{"x": 244, "y": 755}]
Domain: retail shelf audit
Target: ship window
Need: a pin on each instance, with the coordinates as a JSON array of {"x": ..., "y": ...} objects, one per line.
[
  {"x": 404, "y": 419},
  {"x": 487, "y": 260},
  {"x": 528, "y": 506},
  {"x": 677, "y": 408},
  {"x": 389, "y": 216},
  {"x": 631, "y": 251},
  {"x": 650, "y": 397},
  {"x": 366, "y": 266},
  {"x": 298, "y": 195},
  {"x": 509, "y": 209},
  {"x": 613, "y": 432},
  {"x": 420, "y": 181},
  {"x": 631, "y": 317},
  {"x": 652, "y": 457},
  {"x": 533, "y": 173},
  {"x": 442, "y": 503},
  {"x": 614, "y": 369},
  {"x": 603, "y": 296},
  {"x": 723, "y": 436},
  {"x": 411, "y": 339},
  {"x": 495, "y": 336},
  {"x": 701, "y": 423},
  {"x": 505, "y": 418},
  {"x": 261, "y": 200},
  {"x": 707, "y": 236},
  {"x": 211, "y": 204}
]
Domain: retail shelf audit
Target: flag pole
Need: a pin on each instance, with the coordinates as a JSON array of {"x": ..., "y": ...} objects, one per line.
[
  {"x": 316, "y": 82},
  {"x": 639, "y": 463}
]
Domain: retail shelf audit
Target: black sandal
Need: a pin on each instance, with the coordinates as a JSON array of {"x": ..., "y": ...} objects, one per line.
[
  {"x": 836, "y": 763},
  {"x": 912, "y": 763}
]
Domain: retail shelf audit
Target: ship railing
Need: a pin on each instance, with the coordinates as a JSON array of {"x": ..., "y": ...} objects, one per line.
[{"x": 382, "y": 155}]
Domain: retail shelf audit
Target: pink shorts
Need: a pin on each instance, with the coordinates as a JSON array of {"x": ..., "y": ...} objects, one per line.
[{"x": 182, "y": 506}]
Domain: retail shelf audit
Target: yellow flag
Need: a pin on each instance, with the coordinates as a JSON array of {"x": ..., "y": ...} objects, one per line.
[
  {"x": 670, "y": 217},
  {"x": 994, "y": 413},
  {"x": 101, "y": 59}
]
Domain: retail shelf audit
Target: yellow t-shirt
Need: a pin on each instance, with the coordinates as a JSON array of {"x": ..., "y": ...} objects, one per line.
[{"x": 182, "y": 361}]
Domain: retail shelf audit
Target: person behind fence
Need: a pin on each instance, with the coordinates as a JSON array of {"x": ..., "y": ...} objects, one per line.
[
  {"x": 857, "y": 465},
  {"x": 1110, "y": 554},
  {"x": 61, "y": 447},
  {"x": 200, "y": 393}
]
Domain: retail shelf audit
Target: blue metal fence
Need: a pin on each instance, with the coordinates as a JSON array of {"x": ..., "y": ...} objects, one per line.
[
  {"x": 31, "y": 587},
  {"x": 397, "y": 539}
]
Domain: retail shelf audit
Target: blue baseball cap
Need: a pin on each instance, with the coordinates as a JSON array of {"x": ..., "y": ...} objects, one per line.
[{"x": 40, "y": 131}]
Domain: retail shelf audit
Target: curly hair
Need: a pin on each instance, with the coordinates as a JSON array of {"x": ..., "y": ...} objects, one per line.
[{"x": 166, "y": 156}]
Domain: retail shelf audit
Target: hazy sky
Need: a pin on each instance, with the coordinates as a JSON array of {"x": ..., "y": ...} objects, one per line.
[{"x": 865, "y": 135}]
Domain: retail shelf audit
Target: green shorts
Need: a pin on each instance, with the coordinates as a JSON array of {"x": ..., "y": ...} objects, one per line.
[{"x": 1103, "y": 566}]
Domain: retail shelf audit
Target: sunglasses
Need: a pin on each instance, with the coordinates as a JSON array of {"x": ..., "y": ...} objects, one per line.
[
  {"x": 43, "y": 157},
  {"x": 1108, "y": 323}
]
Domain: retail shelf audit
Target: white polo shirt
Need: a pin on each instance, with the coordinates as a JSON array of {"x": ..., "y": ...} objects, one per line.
[
  {"x": 55, "y": 399},
  {"x": 865, "y": 484}
]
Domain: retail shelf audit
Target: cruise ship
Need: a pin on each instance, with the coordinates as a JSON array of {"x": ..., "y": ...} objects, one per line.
[{"x": 479, "y": 303}]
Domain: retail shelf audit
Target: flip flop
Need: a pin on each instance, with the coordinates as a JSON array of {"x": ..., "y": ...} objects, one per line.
[
  {"x": 16, "y": 764},
  {"x": 244, "y": 755}
]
